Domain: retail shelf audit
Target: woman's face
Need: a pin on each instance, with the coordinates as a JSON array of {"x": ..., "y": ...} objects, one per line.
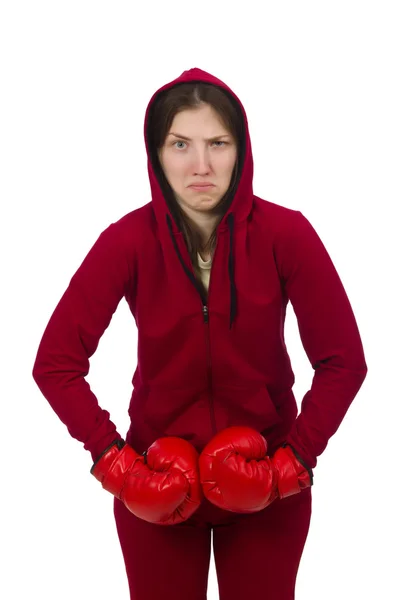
[{"x": 198, "y": 149}]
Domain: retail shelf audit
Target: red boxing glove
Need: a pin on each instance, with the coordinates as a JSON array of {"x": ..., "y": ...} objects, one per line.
[
  {"x": 161, "y": 486},
  {"x": 293, "y": 475},
  {"x": 236, "y": 474}
]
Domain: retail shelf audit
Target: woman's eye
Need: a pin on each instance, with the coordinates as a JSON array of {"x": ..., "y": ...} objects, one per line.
[{"x": 215, "y": 142}]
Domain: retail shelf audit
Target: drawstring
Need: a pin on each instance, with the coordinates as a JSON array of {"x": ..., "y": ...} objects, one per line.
[
  {"x": 186, "y": 269},
  {"x": 233, "y": 291}
]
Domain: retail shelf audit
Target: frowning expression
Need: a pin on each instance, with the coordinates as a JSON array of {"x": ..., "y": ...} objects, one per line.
[{"x": 198, "y": 150}]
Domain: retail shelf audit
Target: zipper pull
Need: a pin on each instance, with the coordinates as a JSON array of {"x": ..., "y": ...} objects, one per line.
[{"x": 205, "y": 313}]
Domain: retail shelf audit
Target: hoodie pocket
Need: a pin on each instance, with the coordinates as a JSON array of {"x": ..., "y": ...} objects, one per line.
[
  {"x": 175, "y": 411},
  {"x": 245, "y": 406}
]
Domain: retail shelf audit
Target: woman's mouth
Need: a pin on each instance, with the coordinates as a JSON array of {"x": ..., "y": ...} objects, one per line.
[{"x": 201, "y": 188}]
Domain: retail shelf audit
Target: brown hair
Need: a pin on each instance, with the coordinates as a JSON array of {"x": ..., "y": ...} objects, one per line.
[{"x": 168, "y": 104}]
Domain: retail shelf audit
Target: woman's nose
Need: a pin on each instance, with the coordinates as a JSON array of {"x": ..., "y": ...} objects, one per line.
[{"x": 201, "y": 161}]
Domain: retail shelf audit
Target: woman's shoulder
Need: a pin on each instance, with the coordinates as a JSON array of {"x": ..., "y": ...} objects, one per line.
[
  {"x": 135, "y": 219},
  {"x": 273, "y": 217},
  {"x": 272, "y": 209},
  {"x": 124, "y": 235},
  {"x": 134, "y": 226}
]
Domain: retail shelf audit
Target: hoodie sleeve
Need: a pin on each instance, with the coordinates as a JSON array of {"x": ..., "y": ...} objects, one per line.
[
  {"x": 329, "y": 335},
  {"x": 72, "y": 336}
]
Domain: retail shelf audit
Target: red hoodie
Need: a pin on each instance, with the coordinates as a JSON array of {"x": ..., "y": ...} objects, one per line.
[{"x": 206, "y": 365}]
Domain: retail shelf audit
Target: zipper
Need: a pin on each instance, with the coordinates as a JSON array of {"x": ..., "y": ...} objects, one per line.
[
  {"x": 206, "y": 319},
  {"x": 206, "y": 316},
  {"x": 209, "y": 369}
]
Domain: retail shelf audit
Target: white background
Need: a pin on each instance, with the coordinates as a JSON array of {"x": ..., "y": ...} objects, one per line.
[{"x": 318, "y": 81}]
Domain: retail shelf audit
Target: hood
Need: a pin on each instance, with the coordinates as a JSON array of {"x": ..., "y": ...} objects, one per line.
[{"x": 241, "y": 202}]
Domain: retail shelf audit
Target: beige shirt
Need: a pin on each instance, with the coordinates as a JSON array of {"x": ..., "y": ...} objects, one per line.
[{"x": 205, "y": 270}]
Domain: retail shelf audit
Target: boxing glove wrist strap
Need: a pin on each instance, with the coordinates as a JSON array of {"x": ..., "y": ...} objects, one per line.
[
  {"x": 303, "y": 462},
  {"x": 110, "y": 452}
]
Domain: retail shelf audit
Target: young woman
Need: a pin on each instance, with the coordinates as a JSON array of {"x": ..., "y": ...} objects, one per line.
[{"x": 215, "y": 442}]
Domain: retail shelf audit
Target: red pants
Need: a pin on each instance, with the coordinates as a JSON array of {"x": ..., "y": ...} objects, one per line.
[{"x": 256, "y": 555}]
